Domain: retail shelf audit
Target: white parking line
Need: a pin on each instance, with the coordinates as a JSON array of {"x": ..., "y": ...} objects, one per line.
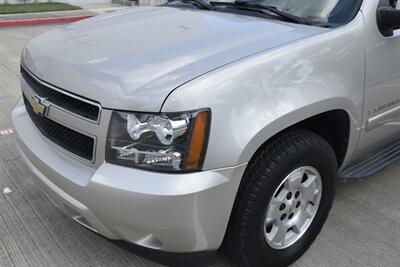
[{"x": 7, "y": 131}]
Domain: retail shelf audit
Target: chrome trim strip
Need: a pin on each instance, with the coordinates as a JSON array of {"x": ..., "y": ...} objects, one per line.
[
  {"x": 383, "y": 118},
  {"x": 68, "y": 94}
]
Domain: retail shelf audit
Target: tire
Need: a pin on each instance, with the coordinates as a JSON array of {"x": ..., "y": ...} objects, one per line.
[{"x": 249, "y": 241}]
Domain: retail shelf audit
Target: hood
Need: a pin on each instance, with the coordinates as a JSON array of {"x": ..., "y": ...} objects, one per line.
[{"x": 132, "y": 60}]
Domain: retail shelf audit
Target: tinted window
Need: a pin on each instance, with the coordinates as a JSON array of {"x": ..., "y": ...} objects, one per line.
[{"x": 318, "y": 11}]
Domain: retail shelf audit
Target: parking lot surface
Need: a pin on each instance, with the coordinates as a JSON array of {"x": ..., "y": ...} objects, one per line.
[{"x": 362, "y": 230}]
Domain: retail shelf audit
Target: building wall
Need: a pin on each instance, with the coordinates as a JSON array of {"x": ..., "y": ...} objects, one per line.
[{"x": 77, "y": 2}]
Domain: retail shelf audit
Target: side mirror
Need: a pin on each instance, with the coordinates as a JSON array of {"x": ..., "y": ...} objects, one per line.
[{"x": 388, "y": 20}]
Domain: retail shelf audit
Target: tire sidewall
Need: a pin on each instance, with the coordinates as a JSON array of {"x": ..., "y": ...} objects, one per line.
[{"x": 322, "y": 159}]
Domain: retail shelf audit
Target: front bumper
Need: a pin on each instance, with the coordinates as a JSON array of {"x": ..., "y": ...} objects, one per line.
[{"x": 169, "y": 212}]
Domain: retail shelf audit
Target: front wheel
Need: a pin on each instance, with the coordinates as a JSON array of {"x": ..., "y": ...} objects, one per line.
[{"x": 283, "y": 200}]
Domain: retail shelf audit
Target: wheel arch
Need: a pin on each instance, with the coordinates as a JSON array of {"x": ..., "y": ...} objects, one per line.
[
  {"x": 333, "y": 126},
  {"x": 337, "y": 126}
]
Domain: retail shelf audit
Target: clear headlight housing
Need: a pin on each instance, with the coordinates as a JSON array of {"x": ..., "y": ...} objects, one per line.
[{"x": 171, "y": 142}]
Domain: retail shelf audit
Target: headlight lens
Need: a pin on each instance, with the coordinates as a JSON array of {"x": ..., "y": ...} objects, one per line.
[{"x": 161, "y": 142}]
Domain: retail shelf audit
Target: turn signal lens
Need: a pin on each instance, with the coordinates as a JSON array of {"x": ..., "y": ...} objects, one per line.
[{"x": 197, "y": 144}]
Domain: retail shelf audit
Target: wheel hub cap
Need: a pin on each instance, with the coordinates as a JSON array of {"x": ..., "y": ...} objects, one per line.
[{"x": 293, "y": 207}]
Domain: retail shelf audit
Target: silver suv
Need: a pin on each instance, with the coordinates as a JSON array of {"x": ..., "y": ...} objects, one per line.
[{"x": 186, "y": 126}]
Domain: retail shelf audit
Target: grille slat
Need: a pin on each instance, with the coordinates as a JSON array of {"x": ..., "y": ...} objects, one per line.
[
  {"x": 69, "y": 103},
  {"x": 66, "y": 138}
]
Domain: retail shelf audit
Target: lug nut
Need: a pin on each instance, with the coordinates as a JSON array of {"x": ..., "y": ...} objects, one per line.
[
  {"x": 282, "y": 207},
  {"x": 289, "y": 196},
  {"x": 291, "y": 216},
  {"x": 283, "y": 216},
  {"x": 297, "y": 194}
]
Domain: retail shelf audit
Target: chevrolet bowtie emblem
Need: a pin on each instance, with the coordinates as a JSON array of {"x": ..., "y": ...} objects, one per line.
[{"x": 38, "y": 107}]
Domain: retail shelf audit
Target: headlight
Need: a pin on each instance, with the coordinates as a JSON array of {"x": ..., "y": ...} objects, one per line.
[{"x": 160, "y": 142}]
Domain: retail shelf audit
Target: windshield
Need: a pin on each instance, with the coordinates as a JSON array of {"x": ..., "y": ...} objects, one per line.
[{"x": 318, "y": 11}]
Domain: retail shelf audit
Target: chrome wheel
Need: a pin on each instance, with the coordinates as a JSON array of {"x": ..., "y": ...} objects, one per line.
[{"x": 293, "y": 207}]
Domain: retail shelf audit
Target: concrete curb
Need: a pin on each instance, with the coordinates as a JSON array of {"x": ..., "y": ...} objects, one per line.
[{"x": 40, "y": 21}]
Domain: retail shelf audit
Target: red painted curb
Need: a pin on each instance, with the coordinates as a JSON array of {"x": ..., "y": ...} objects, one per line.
[{"x": 11, "y": 23}]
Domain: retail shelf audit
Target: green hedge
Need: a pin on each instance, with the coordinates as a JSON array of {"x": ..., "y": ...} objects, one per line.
[{"x": 37, "y": 7}]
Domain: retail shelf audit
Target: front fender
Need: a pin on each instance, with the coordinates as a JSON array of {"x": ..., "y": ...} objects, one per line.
[{"x": 255, "y": 98}]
